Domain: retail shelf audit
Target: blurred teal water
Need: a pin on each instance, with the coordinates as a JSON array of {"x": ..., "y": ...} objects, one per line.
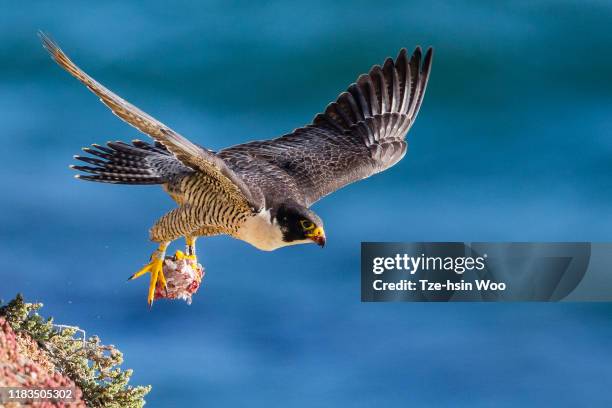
[{"x": 512, "y": 143}]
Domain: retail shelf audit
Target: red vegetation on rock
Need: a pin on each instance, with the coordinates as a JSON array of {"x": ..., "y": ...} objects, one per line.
[{"x": 24, "y": 364}]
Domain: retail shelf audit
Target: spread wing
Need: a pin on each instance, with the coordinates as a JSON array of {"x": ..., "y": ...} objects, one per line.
[
  {"x": 184, "y": 150},
  {"x": 360, "y": 134}
]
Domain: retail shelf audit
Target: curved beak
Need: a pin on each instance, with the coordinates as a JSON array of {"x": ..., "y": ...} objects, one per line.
[{"x": 317, "y": 236}]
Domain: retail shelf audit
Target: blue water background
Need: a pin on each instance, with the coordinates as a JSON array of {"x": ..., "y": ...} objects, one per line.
[{"x": 514, "y": 142}]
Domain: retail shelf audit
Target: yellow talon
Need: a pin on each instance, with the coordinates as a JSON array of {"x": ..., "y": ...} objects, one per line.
[
  {"x": 180, "y": 255},
  {"x": 155, "y": 267},
  {"x": 162, "y": 278}
]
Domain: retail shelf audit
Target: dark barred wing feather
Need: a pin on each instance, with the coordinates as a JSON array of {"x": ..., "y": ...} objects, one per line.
[
  {"x": 188, "y": 153},
  {"x": 360, "y": 134}
]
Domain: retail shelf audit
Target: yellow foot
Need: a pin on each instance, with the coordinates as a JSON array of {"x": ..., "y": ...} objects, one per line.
[
  {"x": 181, "y": 255},
  {"x": 155, "y": 267}
]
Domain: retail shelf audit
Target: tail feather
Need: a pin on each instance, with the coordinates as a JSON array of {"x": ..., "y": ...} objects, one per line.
[{"x": 123, "y": 163}]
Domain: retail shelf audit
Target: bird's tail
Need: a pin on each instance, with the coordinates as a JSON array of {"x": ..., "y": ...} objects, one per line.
[{"x": 123, "y": 163}]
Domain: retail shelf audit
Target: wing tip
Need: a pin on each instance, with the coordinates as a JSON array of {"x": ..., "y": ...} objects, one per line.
[
  {"x": 428, "y": 58},
  {"x": 48, "y": 43},
  {"x": 418, "y": 52}
]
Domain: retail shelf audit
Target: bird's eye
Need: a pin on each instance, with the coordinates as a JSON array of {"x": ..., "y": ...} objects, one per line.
[{"x": 307, "y": 225}]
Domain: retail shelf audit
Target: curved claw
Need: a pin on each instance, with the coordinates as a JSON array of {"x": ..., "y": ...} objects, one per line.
[{"x": 155, "y": 267}]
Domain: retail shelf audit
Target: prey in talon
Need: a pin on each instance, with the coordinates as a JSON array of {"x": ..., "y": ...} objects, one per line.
[{"x": 261, "y": 191}]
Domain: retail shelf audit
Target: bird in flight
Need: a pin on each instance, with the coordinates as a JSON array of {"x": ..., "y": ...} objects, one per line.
[{"x": 259, "y": 192}]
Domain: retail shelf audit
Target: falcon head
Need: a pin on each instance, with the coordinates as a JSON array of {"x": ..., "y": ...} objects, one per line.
[{"x": 298, "y": 225}]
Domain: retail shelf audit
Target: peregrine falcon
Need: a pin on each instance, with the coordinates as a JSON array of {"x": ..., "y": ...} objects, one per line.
[{"x": 259, "y": 192}]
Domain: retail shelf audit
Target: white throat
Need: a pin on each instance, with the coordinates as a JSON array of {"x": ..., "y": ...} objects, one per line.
[{"x": 264, "y": 234}]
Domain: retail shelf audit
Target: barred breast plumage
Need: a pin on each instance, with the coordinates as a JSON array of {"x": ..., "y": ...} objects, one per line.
[{"x": 207, "y": 203}]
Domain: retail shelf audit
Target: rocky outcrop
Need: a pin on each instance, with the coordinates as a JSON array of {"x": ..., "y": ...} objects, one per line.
[{"x": 35, "y": 353}]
